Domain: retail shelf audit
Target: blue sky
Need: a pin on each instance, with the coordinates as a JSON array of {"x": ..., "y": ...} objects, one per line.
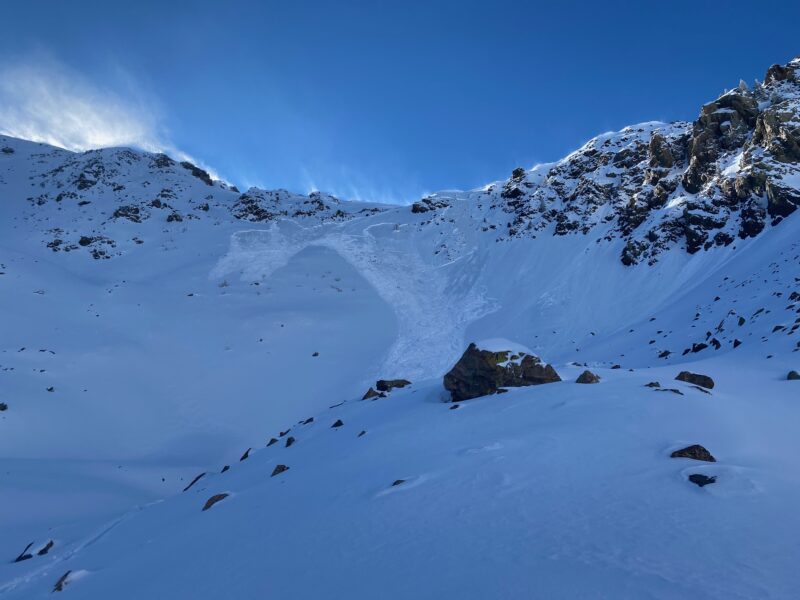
[{"x": 378, "y": 100}]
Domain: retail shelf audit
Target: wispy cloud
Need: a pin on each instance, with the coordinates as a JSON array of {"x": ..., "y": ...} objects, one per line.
[{"x": 45, "y": 101}]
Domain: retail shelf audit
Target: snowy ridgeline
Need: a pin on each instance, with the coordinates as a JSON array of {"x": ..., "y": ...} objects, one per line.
[{"x": 158, "y": 324}]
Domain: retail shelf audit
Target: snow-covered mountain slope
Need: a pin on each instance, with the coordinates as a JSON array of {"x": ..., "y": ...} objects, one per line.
[{"x": 157, "y": 324}]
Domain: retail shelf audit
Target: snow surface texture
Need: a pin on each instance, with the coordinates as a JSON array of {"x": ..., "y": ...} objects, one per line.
[{"x": 157, "y": 324}]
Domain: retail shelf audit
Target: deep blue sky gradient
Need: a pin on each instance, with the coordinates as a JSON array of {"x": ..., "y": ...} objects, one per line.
[{"x": 393, "y": 99}]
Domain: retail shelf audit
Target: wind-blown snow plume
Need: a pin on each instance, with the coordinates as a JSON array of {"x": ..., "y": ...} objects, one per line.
[{"x": 45, "y": 101}]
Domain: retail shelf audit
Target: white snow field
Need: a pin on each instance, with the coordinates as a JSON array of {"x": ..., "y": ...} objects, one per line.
[{"x": 156, "y": 325}]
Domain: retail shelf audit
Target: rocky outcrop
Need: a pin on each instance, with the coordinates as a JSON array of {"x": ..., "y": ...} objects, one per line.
[
  {"x": 588, "y": 377},
  {"x": 793, "y": 376},
  {"x": 371, "y": 394},
  {"x": 387, "y": 385},
  {"x": 695, "y": 452},
  {"x": 279, "y": 469},
  {"x": 696, "y": 379},
  {"x": 483, "y": 372},
  {"x": 213, "y": 500},
  {"x": 701, "y": 480}
]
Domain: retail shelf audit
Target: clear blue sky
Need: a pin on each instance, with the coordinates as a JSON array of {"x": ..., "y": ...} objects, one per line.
[{"x": 393, "y": 99}]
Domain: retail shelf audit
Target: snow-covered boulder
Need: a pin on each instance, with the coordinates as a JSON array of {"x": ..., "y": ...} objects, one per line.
[{"x": 485, "y": 369}]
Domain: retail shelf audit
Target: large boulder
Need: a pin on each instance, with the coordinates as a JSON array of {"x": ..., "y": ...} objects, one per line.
[
  {"x": 588, "y": 377},
  {"x": 696, "y": 378},
  {"x": 480, "y": 372},
  {"x": 695, "y": 452}
]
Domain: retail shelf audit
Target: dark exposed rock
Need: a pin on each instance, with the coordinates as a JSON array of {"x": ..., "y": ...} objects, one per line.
[
  {"x": 195, "y": 480},
  {"x": 338, "y": 423},
  {"x": 587, "y": 377},
  {"x": 793, "y": 376},
  {"x": 701, "y": 480},
  {"x": 398, "y": 482},
  {"x": 198, "y": 172},
  {"x": 245, "y": 455},
  {"x": 225, "y": 468},
  {"x": 371, "y": 393},
  {"x": 778, "y": 73},
  {"x": 362, "y": 432},
  {"x": 653, "y": 384},
  {"x": 132, "y": 213},
  {"x": 483, "y": 372},
  {"x": 3, "y": 406},
  {"x": 279, "y": 469},
  {"x": 46, "y": 548},
  {"x": 213, "y": 500},
  {"x": 428, "y": 204},
  {"x": 387, "y": 385},
  {"x": 62, "y": 582},
  {"x": 673, "y": 390},
  {"x": 695, "y": 452},
  {"x": 24, "y": 555},
  {"x": 289, "y": 441},
  {"x": 697, "y": 379},
  {"x": 272, "y": 441}
]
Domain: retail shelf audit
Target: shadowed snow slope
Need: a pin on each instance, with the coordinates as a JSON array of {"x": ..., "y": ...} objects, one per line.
[{"x": 157, "y": 324}]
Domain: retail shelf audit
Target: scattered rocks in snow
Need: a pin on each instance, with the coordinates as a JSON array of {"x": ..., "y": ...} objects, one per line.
[
  {"x": 454, "y": 405},
  {"x": 245, "y": 455},
  {"x": 695, "y": 452},
  {"x": 24, "y": 555},
  {"x": 283, "y": 433},
  {"x": 338, "y": 423},
  {"x": 3, "y": 406},
  {"x": 653, "y": 384},
  {"x": 398, "y": 482},
  {"x": 387, "y": 385},
  {"x": 315, "y": 354},
  {"x": 793, "y": 376},
  {"x": 362, "y": 432},
  {"x": 701, "y": 480},
  {"x": 289, "y": 441},
  {"x": 308, "y": 421},
  {"x": 272, "y": 441},
  {"x": 62, "y": 582},
  {"x": 51, "y": 389},
  {"x": 699, "y": 389},
  {"x": 213, "y": 500},
  {"x": 279, "y": 469},
  {"x": 482, "y": 372},
  {"x": 697, "y": 379},
  {"x": 225, "y": 468},
  {"x": 195, "y": 480},
  {"x": 588, "y": 377}
]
